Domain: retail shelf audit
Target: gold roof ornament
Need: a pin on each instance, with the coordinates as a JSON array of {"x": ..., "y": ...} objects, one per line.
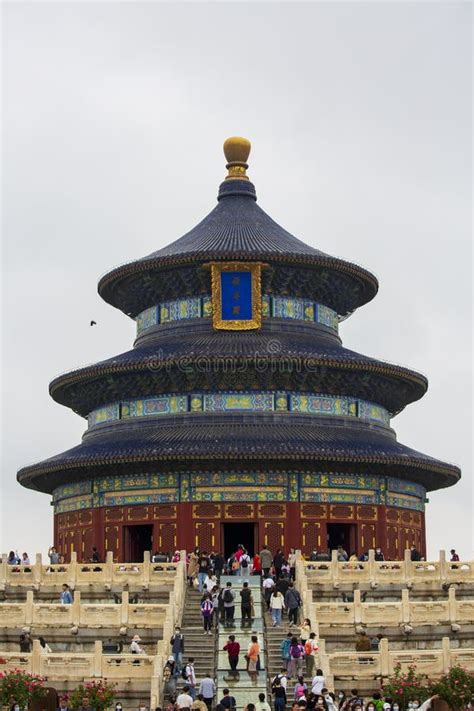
[{"x": 237, "y": 151}]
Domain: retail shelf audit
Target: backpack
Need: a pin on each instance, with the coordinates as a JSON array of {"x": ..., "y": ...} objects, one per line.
[
  {"x": 309, "y": 647},
  {"x": 296, "y": 651},
  {"x": 285, "y": 648},
  {"x": 184, "y": 672},
  {"x": 207, "y": 608},
  {"x": 244, "y": 561},
  {"x": 278, "y": 677},
  {"x": 227, "y": 597}
]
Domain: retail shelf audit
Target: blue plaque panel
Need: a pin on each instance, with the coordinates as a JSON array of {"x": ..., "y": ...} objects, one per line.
[{"x": 236, "y": 289}]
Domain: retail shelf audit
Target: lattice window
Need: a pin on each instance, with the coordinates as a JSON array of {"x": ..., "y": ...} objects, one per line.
[
  {"x": 205, "y": 535},
  {"x": 167, "y": 537},
  {"x": 271, "y": 510},
  {"x": 367, "y": 512},
  {"x": 312, "y": 538},
  {"x": 313, "y": 511},
  {"x": 341, "y": 511},
  {"x": 206, "y": 510},
  {"x": 138, "y": 513},
  {"x": 85, "y": 518},
  {"x": 274, "y": 534},
  {"x": 239, "y": 511},
  {"x": 164, "y": 511},
  {"x": 392, "y": 515}
]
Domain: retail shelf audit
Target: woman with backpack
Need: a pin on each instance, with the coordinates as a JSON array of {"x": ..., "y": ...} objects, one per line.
[
  {"x": 300, "y": 689},
  {"x": 207, "y": 609},
  {"x": 295, "y": 666}
]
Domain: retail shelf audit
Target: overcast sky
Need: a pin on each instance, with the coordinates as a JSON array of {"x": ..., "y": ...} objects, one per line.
[{"x": 114, "y": 115}]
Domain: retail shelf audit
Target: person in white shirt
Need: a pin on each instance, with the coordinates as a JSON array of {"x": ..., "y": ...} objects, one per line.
[
  {"x": 318, "y": 682},
  {"x": 267, "y": 587},
  {"x": 135, "y": 647},
  {"x": 184, "y": 700},
  {"x": 191, "y": 678},
  {"x": 277, "y": 604},
  {"x": 261, "y": 704},
  {"x": 282, "y": 678}
]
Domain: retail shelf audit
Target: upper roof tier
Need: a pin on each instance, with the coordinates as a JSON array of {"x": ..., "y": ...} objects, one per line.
[{"x": 237, "y": 229}]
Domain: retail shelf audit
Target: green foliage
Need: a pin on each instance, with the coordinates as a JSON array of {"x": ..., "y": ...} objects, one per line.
[
  {"x": 100, "y": 693},
  {"x": 21, "y": 687}
]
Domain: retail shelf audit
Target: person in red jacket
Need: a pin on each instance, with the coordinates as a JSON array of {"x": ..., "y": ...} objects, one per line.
[
  {"x": 233, "y": 650},
  {"x": 256, "y": 565}
]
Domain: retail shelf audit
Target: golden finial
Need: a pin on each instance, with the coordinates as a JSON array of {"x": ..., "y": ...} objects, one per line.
[{"x": 236, "y": 151}]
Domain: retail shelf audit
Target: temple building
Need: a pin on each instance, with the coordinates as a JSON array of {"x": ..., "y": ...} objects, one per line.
[{"x": 238, "y": 416}]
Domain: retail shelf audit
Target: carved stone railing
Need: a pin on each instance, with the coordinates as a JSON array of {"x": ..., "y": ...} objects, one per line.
[
  {"x": 65, "y": 666},
  {"x": 341, "y": 666},
  {"x": 79, "y": 575},
  {"x": 77, "y": 666},
  {"x": 380, "y": 573},
  {"x": 451, "y": 611}
]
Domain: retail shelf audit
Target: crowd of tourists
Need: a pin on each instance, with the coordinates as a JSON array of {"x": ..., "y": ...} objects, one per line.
[{"x": 324, "y": 700}]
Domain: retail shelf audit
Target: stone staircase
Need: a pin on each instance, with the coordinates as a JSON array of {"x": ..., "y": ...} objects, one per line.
[
  {"x": 196, "y": 644},
  {"x": 274, "y": 638}
]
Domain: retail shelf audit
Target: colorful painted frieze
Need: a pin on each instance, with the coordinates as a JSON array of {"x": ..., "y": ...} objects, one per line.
[{"x": 107, "y": 413}]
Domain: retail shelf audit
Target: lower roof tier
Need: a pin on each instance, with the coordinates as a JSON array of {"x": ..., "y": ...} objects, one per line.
[
  {"x": 197, "y": 439},
  {"x": 181, "y": 360}
]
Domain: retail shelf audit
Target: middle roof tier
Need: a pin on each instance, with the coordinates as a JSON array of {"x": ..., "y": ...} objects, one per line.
[{"x": 298, "y": 359}]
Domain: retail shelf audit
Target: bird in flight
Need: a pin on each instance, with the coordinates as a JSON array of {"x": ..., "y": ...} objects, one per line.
[{"x": 93, "y": 323}]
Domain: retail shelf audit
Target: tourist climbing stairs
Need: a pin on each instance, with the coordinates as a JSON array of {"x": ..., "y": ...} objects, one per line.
[
  {"x": 274, "y": 637},
  {"x": 244, "y": 688},
  {"x": 196, "y": 644}
]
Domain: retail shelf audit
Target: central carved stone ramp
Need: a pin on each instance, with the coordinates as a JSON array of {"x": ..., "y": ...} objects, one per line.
[{"x": 243, "y": 688}]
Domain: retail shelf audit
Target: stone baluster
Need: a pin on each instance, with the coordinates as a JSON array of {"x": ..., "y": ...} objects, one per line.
[
  {"x": 182, "y": 556},
  {"x": 452, "y": 605},
  {"x": 408, "y": 567},
  {"x": 3, "y": 571},
  {"x": 372, "y": 569},
  {"x": 146, "y": 570},
  {"x": 72, "y": 570},
  {"x": 35, "y": 659},
  {"x": 38, "y": 569},
  {"x": 98, "y": 659},
  {"x": 357, "y": 608},
  {"x": 446, "y": 652},
  {"x": 406, "y": 609},
  {"x": 76, "y": 608},
  {"x": 443, "y": 567},
  {"x": 109, "y": 569},
  {"x": 29, "y": 608},
  {"x": 334, "y": 569},
  {"x": 385, "y": 666},
  {"x": 124, "y": 608}
]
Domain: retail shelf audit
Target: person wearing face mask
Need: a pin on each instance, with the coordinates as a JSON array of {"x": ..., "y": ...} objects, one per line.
[
  {"x": 376, "y": 701},
  {"x": 142, "y": 707},
  {"x": 15, "y": 707},
  {"x": 118, "y": 706},
  {"x": 341, "y": 697}
]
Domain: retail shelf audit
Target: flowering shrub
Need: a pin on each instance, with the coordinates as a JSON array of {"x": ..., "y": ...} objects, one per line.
[
  {"x": 456, "y": 687},
  {"x": 100, "y": 693},
  {"x": 20, "y": 686},
  {"x": 406, "y": 686}
]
